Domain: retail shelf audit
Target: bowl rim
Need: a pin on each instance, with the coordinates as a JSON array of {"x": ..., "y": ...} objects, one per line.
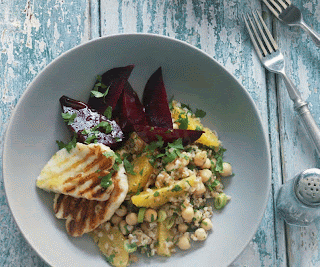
[{"x": 123, "y": 35}]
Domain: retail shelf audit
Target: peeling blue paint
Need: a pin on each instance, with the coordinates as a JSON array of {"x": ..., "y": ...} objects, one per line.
[{"x": 216, "y": 27}]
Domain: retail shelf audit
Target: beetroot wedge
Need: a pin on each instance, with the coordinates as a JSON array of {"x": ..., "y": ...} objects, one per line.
[
  {"x": 156, "y": 103},
  {"x": 114, "y": 81},
  {"x": 89, "y": 125},
  {"x": 132, "y": 112},
  {"x": 151, "y": 133}
]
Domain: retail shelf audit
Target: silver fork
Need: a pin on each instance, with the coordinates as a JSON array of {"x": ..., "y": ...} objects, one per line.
[
  {"x": 273, "y": 60},
  {"x": 286, "y": 12}
]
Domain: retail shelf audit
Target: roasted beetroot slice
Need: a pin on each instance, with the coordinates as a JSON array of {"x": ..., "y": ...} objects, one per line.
[
  {"x": 115, "y": 79},
  {"x": 85, "y": 124},
  {"x": 156, "y": 103},
  {"x": 132, "y": 112},
  {"x": 150, "y": 134}
]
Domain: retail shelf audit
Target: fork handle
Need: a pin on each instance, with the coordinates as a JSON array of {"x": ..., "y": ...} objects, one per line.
[
  {"x": 315, "y": 36},
  {"x": 303, "y": 110},
  {"x": 309, "y": 123}
]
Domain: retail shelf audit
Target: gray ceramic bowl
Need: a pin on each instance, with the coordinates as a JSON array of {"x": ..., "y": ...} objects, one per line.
[{"x": 192, "y": 77}]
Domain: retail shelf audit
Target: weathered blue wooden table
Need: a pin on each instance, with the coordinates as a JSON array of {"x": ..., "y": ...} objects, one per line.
[{"x": 33, "y": 33}]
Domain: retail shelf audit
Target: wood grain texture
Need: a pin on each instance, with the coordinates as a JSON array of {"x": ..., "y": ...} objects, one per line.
[
  {"x": 297, "y": 152},
  {"x": 32, "y": 34}
]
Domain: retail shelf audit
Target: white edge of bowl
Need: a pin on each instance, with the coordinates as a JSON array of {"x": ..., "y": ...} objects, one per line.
[{"x": 27, "y": 91}]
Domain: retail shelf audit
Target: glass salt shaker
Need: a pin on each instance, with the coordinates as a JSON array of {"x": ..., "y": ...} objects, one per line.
[{"x": 298, "y": 200}]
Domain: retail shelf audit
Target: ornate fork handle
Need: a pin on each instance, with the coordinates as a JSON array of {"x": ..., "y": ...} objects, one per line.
[{"x": 302, "y": 109}]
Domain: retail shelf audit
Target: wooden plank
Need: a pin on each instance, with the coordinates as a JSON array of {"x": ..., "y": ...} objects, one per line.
[
  {"x": 303, "y": 66},
  {"x": 213, "y": 26},
  {"x": 32, "y": 34},
  {"x": 277, "y": 257}
]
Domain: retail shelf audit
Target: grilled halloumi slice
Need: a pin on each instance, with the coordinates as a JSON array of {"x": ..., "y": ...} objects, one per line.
[
  {"x": 78, "y": 173},
  {"x": 84, "y": 215}
]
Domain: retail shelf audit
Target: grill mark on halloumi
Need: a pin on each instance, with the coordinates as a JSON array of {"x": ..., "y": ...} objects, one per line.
[
  {"x": 78, "y": 177},
  {"x": 84, "y": 215}
]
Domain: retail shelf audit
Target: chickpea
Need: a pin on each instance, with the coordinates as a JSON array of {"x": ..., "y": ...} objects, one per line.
[
  {"x": 132, "y": 218},
  {"x": 184, "y": 242},
  {"x": 123, "y": 227},
  {"x": 182, "y": 228},
  {"x": 200, "y": 158},
  {"x": 122, "y": 211},
  {"x": 187, "y": 214},
  {"x": 184, "y": 162},
  {"x": 227, "y": 169},
  {"x": 205, "y": 175},
  {"x": 207, "y": 164},
  {"x": 150, "y": 215},
  {"x": 206, "y": 224},
  {"x": 200, "y": 234},
  {"x": 200, "y": 189},
  {"x": 170, "y": 166},
  {"x": 116, "y": 219},
  {"x": 198, "y": 215}
]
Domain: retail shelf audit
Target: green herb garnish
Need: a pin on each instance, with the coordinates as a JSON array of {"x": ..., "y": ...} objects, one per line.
[
  {"x": 106, "y": 180},
  {"x": 108, "y": 112},
  {"x": 95, "y": 92},
  {"x": 176, "y": 188},
  {"x": 90, "y": 139},
  {"x": 219, "y": 158},
  {"x": 183, "y": 122},
  {"x": 177, "y": 144},
  {"x": 69, "y": 145},
  {"x": 213, "y": 185},
  {"x": 110, "y": 258},
  {"x": 200, "y": 113},
  {"x": 128, "y": 166},
  {"x": 68, "y": 117}
]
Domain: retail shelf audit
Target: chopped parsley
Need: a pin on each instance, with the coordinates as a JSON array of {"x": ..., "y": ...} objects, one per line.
[
  {"x": 176, "y": 188},
  {"x": 183, "y": 122},
  {"x": 90, "y": 139},
  {"x": 177, "y": 144},
  {"x": 106, "y": 180},
  {"x": 128, "y": 166},
  {"x": 156, "y": 194},
  {"x": 213, "y": 185},
  {"x": 155, "y": 145},
  {"x": 172, "y": 151},
  {"x": 185, "y": 106},
  {"x": 108, "y": 112},
  {"x": 95, "y": 92},
  {"x": 219, "y": 158},
  {"x": 200, "y": 113},
  {"x": 69, "y": 145},
  {"x": 110, "y": 258},
  {"x": 68, "y": 117},
  {"x": 106, "y": 126}
]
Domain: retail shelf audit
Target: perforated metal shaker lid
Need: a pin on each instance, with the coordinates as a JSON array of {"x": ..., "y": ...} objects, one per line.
[{"x": 307, "y": 187}]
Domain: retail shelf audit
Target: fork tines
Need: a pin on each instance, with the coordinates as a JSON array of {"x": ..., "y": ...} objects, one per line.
[
  {"x": 261, "y": 37},
  {"x": 277, "y": 6}
]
